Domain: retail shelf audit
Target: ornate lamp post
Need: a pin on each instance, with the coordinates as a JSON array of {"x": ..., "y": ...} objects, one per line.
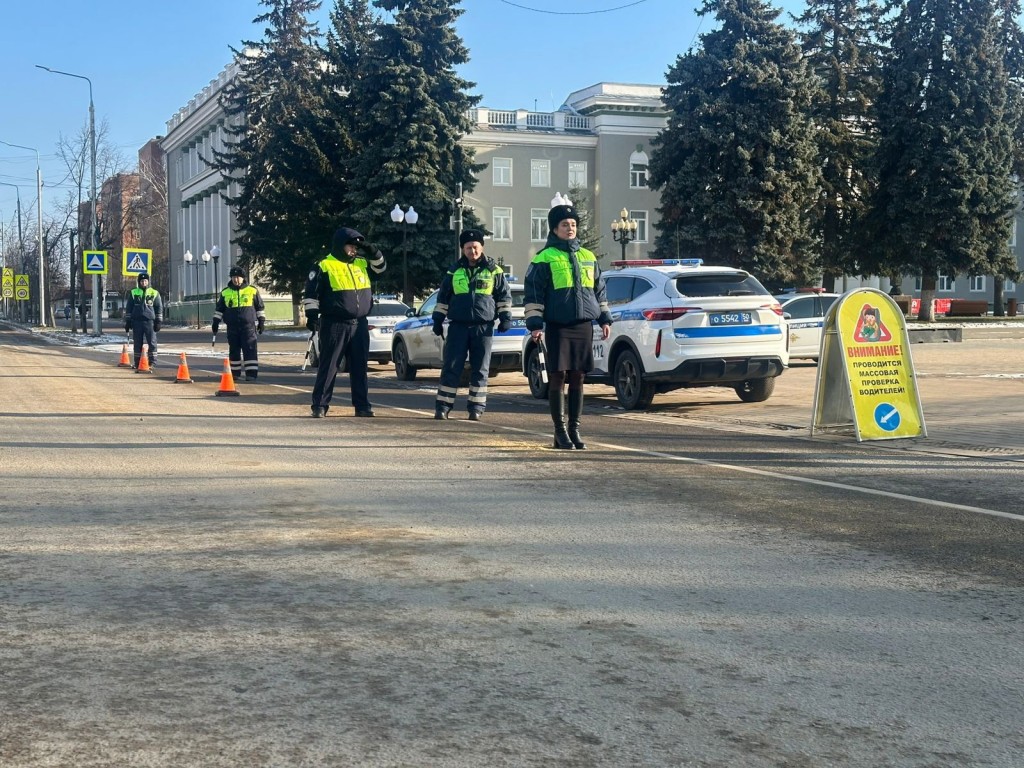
[
  {"x": 215, "y": 255},
  {"x": 189, "y": 258},
  {"x": 624, "y": 230},
  {"x": 405, "y": 217}
]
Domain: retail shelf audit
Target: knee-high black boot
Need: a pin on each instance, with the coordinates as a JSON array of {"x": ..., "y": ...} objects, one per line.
[
  {"x": 557, "y": 400},
  {"x": 575, "y": 413}
]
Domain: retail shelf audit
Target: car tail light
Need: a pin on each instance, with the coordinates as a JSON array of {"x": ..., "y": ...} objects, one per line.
[
  {"x": 776, "y": 308},
  {"x": 668, "y": 313}
]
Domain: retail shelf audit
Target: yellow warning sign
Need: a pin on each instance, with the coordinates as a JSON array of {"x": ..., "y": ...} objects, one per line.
[
  {"x": 866, "y": 374},
  {"x": 8, "y": 283},
  {"x": 136, "y": 261},
  {"x": 95, "y": 262},
  {"x": 21, "y": 287}
]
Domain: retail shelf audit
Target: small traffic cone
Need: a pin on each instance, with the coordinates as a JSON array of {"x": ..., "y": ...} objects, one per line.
[
  {"x": 144, "y": 361},
  {"x": 183, "y": 374},
  {"x": 227, "y": 381},
  {"x": 126, "y": 361}
]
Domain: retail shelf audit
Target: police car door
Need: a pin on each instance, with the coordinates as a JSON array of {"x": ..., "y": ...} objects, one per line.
[{"x": 619, "y": 292}]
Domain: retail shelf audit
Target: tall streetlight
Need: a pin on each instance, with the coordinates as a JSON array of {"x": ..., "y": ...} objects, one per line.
[
  {"x": 624, "y": 230},
  {"x": 97, "y": 326},
  {"x": 39, "y": 225},
  {"x": 405, "y": 217},
  {"x": 205, "y": 259}
]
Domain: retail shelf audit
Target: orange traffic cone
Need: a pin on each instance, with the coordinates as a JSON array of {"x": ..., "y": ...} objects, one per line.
[
  {"x": 227, "y": 381},
  {"x": 183, "y": 374},
  {"x": 126, "y": 361},
  {"x": 144, "y": 361}
]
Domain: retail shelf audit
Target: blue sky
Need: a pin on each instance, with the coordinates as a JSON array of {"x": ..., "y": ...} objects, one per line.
[{"x": 147, "y": 59}]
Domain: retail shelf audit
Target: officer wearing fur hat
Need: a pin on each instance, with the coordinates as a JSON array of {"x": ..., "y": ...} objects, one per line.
[
  {"x": 564, "y": 299},
  {"x": 241, "y": 308},
  {"x": 143, "y": 314},
  {"x": 473, "y": 294},
  {"x": 337, "y": 300}
]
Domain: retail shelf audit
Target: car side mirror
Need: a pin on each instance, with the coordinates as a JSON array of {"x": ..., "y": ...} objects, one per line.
[
  {"x": 410, "y": 313},
  {"x": 786, "y": 316}
]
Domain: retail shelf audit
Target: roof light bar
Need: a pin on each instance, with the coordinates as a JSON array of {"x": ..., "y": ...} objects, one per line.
[{"x": 658, "y": 263}]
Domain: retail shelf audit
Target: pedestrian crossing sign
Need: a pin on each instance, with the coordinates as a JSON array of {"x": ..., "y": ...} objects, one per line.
[
  {"x": 95, "y": 262},
  {"x": 136, "y": 261}
]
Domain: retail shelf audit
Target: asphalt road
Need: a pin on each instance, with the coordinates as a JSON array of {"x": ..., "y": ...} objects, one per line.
[{"x": 189, "y": 580}]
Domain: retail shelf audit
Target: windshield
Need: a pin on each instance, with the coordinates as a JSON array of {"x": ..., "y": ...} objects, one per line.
[
  {"x": 727, "y": 284},
  {"x": 391, "y": 309}
]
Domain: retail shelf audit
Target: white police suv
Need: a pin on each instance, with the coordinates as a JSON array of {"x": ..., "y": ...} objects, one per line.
[
  {"x": 414, "y": 345},
  {"x": 678, "y": 323}
]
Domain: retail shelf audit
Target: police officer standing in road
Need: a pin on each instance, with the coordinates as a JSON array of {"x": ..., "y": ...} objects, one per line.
[
  {"x": 473, "y": 294},
  {"x": 240, "y": 306},
  {"x": 143, "y": 314},
  {"x": 337, "y": 299}
]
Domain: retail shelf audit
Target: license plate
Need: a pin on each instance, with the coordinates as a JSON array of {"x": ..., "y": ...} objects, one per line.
[
  {"x": 729, "y": 318},
  {"x": 386, "y": 329},
  {"x": 519, "y": 322}
]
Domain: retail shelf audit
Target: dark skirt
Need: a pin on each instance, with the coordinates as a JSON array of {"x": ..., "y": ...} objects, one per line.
[{"x": 570, "y": 347}]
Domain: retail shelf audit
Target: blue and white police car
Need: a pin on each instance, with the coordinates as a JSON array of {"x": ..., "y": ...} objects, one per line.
[
  {"x": 414, "y": 345},
  {"x": 678, "y": 323},
  {"x": 805, "y": 311}
]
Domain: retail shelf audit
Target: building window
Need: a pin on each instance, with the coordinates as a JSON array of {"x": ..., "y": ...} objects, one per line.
[
  {"x": 1013, "y": 233},
  {"x": 577, "y": 173},
  {"x": 945, "y": 284},
  {"x": 501, "y": 169},
  {"x": 501, "y": 219},
  {"x": 977, "y": 283},
  {"x": 641, "y": 225},
  {"x": 540, "y": 173},
  {"x": 1009, "y": 285},
  {"x": 638, "y": 169},
  {"x": 538, "y": 224}
]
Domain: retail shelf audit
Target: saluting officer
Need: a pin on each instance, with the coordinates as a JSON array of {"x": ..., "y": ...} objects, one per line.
[
  {"x": 143, "y": 314},
  {"x": 337, "y": 298},
  {"x": 473, "y": 294},
  {"x": 241, "y": 308}
]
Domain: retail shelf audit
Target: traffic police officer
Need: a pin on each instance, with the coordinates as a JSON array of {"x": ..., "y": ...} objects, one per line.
[
  {"x": 472, "y": 295},
  {"x": 143, "y": 314},
  {"x": 241, "y": 307},
  {"x": 337, "y": 298}
]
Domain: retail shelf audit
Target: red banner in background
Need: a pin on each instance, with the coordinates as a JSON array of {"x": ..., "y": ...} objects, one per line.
[{"x": 941, "y": 306}]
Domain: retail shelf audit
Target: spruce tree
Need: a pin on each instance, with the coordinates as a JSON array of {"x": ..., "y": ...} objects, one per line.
[
  {"x": 588, "y": 230},
  {"x": 945, "y": 194},
  {"x": 842, "y": 44},
  {"x": 412, "y": 111},
  {"x": 737, "y": 165},
  {"x": 284, "y": 167}
]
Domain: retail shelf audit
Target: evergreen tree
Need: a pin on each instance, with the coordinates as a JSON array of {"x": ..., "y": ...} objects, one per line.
[
  {"x": 588, "y": 230},
  {"x": 412, "y": 111},
  {"x": 945, "y": 195},
  {"x": 737, "y": 164},
  {"x": 285, "y": 166},
  {"x": 842, "y": 46}
]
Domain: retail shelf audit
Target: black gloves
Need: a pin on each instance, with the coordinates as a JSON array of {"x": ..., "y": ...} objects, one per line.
[
  {"x": 127, "y": 325},
  {"x": 260, "y": 322},
  {"x": 504, "y": 324},
  {"x": 215, "y": 325},
  {"x": 312, "y": 319},
  {"x": 156, "y": 325},
  {"x": 438, "y": 327}
]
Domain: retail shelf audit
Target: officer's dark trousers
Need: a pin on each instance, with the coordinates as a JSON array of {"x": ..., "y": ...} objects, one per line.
[
  {"x": 242, "y": 345},
  {"x": 475, "y": 341},
  {"x": 143, "y": 333},
  {"x": 351, "y": 340}
]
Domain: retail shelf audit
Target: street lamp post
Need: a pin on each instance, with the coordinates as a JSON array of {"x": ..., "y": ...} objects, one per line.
[
  {"x": 405, "y": 217},
  {"x": 215, "y": 255},
  {"x": 189, "y": 258},
  {"x": 624, "y": 230},
  {"x": 39, "y": 225},
  {"x": 97, "y": 326}
]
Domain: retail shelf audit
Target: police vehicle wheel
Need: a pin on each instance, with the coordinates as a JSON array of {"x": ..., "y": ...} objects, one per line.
[
  {"x": 631, "y": 390},
  {"x": 403, "y": 370},
  {"x": 756, "y": 390},
  {"x": 538, "y": 388}
]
